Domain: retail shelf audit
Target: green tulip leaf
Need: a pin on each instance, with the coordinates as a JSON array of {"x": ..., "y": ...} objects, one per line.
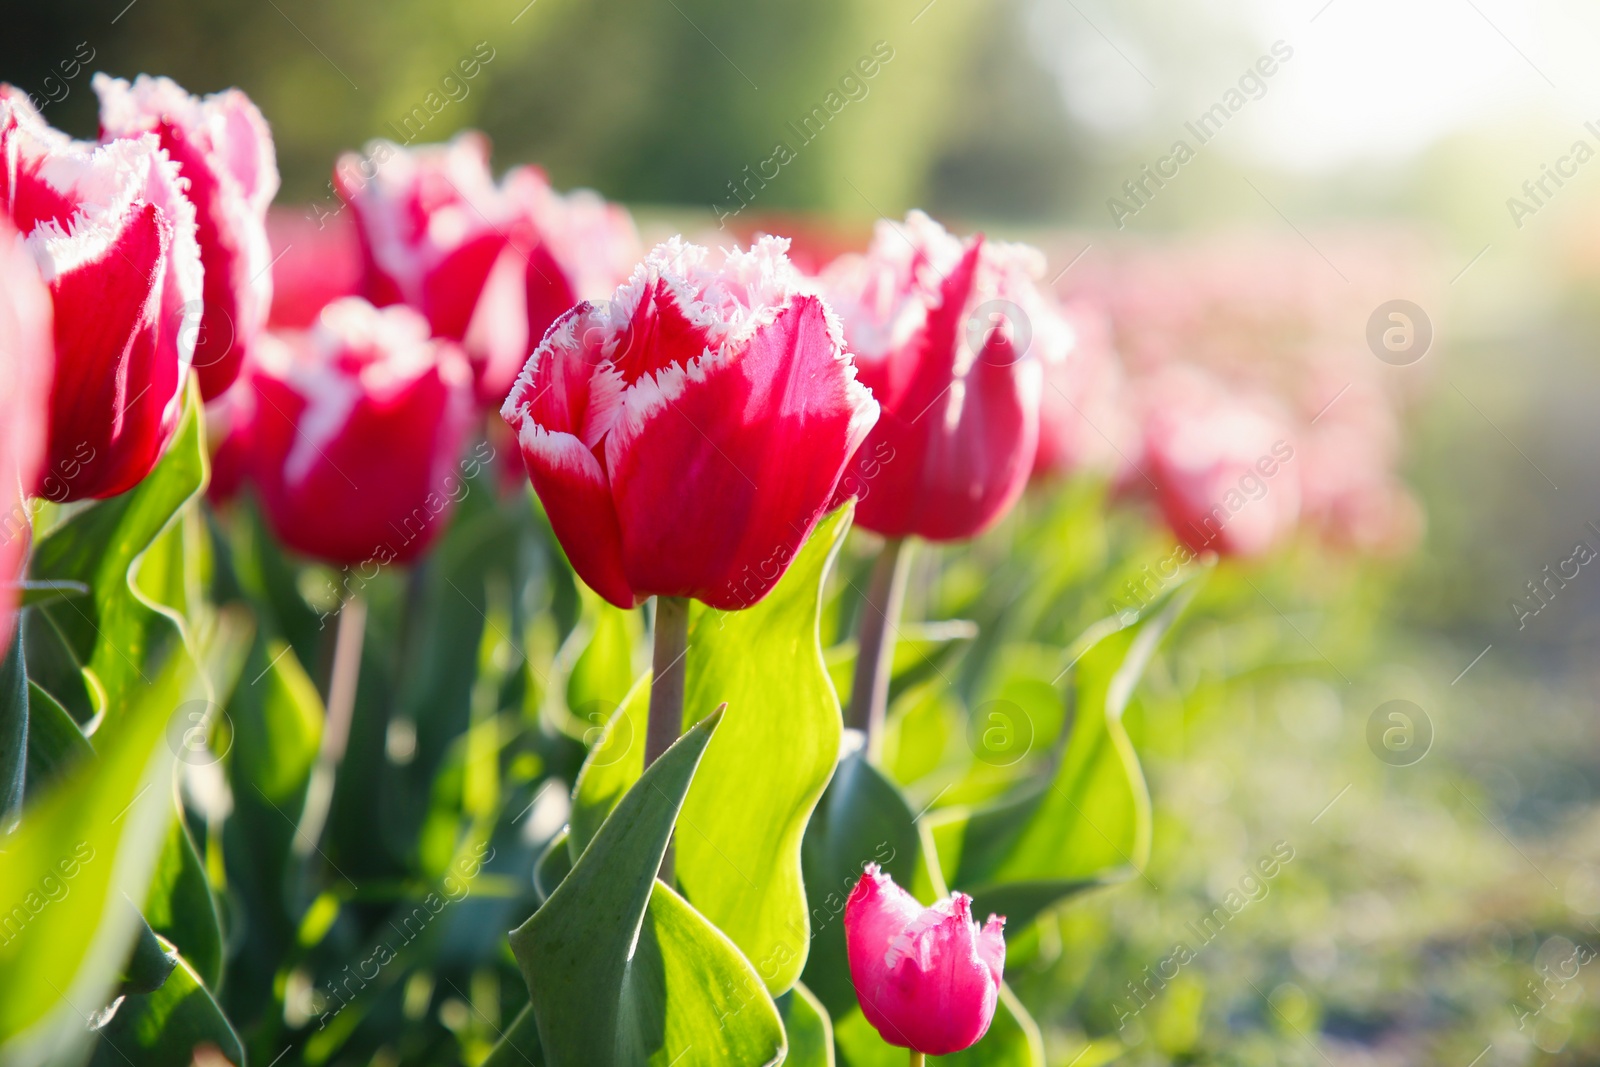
[
  {"x": 83, "y": 853},
  {"x": 603, "y": 673},
  {"x": 150, "y": 963},
  {"x": 862, "y": 819},
  {"x": 738, "y": 843},
  {"x": 55, "y": 744},
  {"x": 167, "y": 1026},
  {"x": 622, "y": 971},
  {"x": 808, "y": 1027},
  {"x": 552, "y": 867},
  {"x": 115, "y": 632},
  {"x": 13, "y": 730},
  {"x": 180, "y": 906},
  {"x": 519, "y": 1045},
  {"x": 1090, "y": 824}
]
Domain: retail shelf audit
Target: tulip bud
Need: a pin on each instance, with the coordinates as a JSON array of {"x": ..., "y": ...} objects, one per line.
[
  {"x": 949, "y": 336},
  {"x": 686, "y": 437},
  {"x": 114, "y": 238},
  {"x": 224, "y": 153},
  {"x": 928, "y": 979},
  {"x": 489, "y": 265},
  {"x": 25, "y": 360},
  {"x": 356, "y": 432}
]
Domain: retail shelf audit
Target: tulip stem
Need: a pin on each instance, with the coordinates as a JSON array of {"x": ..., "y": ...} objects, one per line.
[
  {"x": 880, "y": 621},
  {"x": 917, "y": 1058},
  {"x": 666, "y": 689}
]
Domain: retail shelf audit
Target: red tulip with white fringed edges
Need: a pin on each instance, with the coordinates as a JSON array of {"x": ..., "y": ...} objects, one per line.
[
  {"x": 223, "y": 152},
  {"x": 686, "y": 436},
  {"x": 355, "y": 434},
  {"x": 114, "y": 237},
  {"x": 490, "y": 265}
]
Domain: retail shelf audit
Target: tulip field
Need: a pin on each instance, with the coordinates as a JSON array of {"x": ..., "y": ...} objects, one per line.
[{"x": 468, "y": 621}]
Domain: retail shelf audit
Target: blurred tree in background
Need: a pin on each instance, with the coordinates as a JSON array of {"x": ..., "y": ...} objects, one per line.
[{"x": 656, "y": 101}]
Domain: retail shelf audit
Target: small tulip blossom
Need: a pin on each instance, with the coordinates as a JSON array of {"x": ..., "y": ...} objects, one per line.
[
  {"x": 224, "y": 154},
  {"x": 114, "y": 237},
  {"x": 356, "y": 433},
  {"x": 927, "y": 979},
  {"x": 686, "y": 437}
]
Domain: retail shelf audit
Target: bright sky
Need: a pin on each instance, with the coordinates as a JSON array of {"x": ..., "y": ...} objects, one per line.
[{"x": 1369, "y": 78}]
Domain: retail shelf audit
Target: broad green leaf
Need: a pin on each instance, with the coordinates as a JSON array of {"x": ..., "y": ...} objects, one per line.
[
  {"x": 1090, "y": 823},
  {"x": 810, "y": 1031},
  {"x": 738, "y": 843},
  {"x": 13, "y": 730},
  {"x": 740, "y": 833},
  {"x": 150, "y": 962},
  {"x": 82, "y": 849},
  {"x": 180, "y": 907},
  {"x": 276, "y": 717},
  {"x": 519, "y": 1045},
  {"x": 55, "y": 744},
  {"x": 613, "y": 765},
  {"x": 862, "y": 819},
  {"x": 277, "y": 726},
  {"x": 621, "y": 971},
  {"x": 1013, "y": 1040},
  {"x": 164, "y": 1028},
  {"x": 36, "y": 593},
  {"x": 553, "y": 866},
  {"x": 114, "y": 631}
]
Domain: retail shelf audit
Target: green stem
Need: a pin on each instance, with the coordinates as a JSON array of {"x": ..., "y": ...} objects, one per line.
[
  {"x": 666, "y": 688},
  {"x": 880, "y": 621}
]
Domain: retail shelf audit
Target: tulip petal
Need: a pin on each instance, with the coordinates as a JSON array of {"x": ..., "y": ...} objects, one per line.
[
  {"x": 561, "y": 407},
  {"x": 729, "y": 435}
]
